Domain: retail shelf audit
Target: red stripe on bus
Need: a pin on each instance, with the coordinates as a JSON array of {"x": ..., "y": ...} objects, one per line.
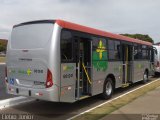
[{"x": 82, "y": 28}]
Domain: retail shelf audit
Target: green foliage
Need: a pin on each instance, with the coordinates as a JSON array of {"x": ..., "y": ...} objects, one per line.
[
  {"x": 140, "y": 37},
  {"x": 2, "y": 47}
]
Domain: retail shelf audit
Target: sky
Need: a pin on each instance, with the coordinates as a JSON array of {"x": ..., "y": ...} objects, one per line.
[{"x": 116, "y": 16}]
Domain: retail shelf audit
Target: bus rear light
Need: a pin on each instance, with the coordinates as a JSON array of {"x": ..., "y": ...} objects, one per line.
[
  {"x": 39, "y": 94},
  {"x": 49, "y": 81}
]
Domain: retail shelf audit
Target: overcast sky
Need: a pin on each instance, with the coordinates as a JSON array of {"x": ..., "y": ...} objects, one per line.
[{"x": 117, "y": 16}]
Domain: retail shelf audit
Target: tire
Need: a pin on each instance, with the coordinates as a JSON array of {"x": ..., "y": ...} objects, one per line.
[
  {"x": 108, "y": 89},
  {"x": 145, "y": 77}
]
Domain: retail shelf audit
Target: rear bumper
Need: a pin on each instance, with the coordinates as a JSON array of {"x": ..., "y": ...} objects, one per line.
[{"x": 48, "y": 94}]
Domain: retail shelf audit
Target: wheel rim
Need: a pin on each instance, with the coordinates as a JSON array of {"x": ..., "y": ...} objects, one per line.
[{"x": 108, "y": 88}]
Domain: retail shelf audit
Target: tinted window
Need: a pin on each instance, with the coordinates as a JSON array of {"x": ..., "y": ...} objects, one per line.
[
  {"x": 66, "y": 46},
  {"x": 31, "y": 36},
  {"x": 111, "y": 44},
  {"x": 117, "y": 45},
  {"x": 140, "y": 52},
  {"x": 96, "y": 42},
  {"x": 111, "y": 55},
  {"x": 114, "y": 49},
  {"x": 99, "y": 47},
  {"x": 145, "y": 52}
]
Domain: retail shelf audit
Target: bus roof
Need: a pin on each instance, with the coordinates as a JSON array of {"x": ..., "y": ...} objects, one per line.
[
  {"x": 82, "y": 28},
  {"x": 73, "y": 26}
]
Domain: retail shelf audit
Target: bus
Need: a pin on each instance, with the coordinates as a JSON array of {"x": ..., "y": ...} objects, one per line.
[
  {"x": 157, "y": 59},
  {"x": 60, "y": 61}
]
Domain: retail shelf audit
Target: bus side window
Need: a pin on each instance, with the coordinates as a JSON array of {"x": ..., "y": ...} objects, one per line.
[
  {"x": 111, "y": 53},
  {"x": 114, "y": 48},
  {"x": 144, "y": 52},
  {"x": 101, "y": 46},
  {"x": 137, "y": 52},
  {"x": 118, "y": 54},
  {"x": 66, "y": 46}
]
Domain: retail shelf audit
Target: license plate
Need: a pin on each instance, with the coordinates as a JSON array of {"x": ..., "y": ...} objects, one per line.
[{"x": 11, "y": 81}]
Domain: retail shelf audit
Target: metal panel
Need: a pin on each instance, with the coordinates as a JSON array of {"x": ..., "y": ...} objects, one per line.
[
  {"x": 68, "y": 81},
  {"x": 139, "y": 68},
  {"x": 36, "y": 60},
  {"x": 67, "y": 94},
  {"x": 54, "y": 55},
  {"x": 116, "y": 68},
  {"x": 99, "y": 76}
]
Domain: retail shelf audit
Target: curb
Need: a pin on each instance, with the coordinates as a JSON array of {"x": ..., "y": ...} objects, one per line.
[{"x": 86, "y": 111}]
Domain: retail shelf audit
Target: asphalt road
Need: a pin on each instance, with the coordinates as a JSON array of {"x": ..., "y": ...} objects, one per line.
[
  {"x": 3, "y": 94},
  {"x": 60, "y": 111}
]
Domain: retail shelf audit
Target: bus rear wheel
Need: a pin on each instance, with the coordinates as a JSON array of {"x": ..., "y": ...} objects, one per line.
[{"x": 107, "y": 89}]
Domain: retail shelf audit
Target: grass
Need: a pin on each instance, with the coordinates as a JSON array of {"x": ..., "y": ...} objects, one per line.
[
  {"x": 117, "y": 103},
  {"x": 2, "y": 59}
]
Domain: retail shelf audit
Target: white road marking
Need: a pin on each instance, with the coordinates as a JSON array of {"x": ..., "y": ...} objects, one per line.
[
  {"x": 110, "y": 101},
  {"x": 14, "y": 101},
  {"x": 2, "y": 63}
]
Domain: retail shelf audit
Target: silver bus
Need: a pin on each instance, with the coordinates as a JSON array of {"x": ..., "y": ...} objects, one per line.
[{"x": 60, "y": 61}]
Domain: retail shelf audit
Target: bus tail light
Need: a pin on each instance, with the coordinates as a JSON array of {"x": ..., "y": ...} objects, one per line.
[
  {"x": 49, "y": 81},
  {"x": 6, "y": 75},
  {"x": 39, "y": 94}
]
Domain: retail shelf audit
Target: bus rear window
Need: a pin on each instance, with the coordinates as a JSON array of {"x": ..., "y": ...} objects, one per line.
[{"x": 31, "y": 36}]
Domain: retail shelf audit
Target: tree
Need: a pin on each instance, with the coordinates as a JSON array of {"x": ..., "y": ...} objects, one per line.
[
  {"x": 2, "y": 48},
  {"x": 140, "y": 37},
  {"x": 3, "y": 45}
]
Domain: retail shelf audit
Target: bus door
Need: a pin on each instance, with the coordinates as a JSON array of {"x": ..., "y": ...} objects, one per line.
[
  {"x": 83, "y": 72},
  {"x": 127, "y": 57}
]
